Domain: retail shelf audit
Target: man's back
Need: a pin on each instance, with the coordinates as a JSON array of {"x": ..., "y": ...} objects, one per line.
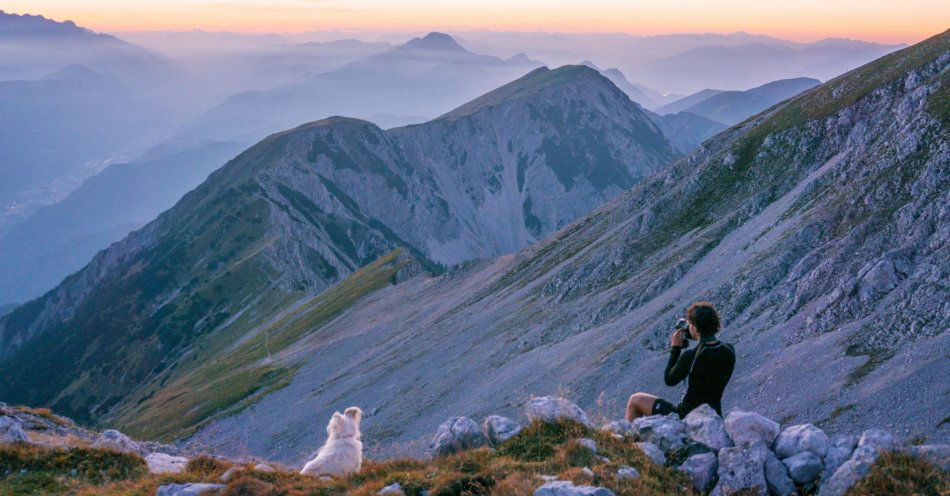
[{"x": 711, "y": 370}]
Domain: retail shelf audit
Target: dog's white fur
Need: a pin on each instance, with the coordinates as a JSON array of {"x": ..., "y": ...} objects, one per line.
[{"x": 343, "y": 452}]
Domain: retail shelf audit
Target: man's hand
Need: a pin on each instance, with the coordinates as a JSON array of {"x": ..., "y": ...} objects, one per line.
[{"x": 676, "y": 339}]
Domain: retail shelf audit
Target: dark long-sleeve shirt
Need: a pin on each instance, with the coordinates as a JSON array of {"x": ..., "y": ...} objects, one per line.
[{"x": 708, "y": 367}]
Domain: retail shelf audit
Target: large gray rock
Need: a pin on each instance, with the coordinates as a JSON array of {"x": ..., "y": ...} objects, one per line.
[
  {"x": 878, "y": 440},
  {"x": 748, "y": 428},
  {"x": 850, "y": 472},
  {"x": 653, "y": 452},
  {"x": 667, "y": 432},
  {"x": 705, "y": 426},
  {"x": 620, "y": 427},
  {"x": 701, "y": 470},
  {"x": 163, "y": 463},
  {"x": 935, "y": 454},
  {"x": 567, "y": 488},
  {"x": 189, "y": 489},
  {"x": 456, "y": 434},
  {"x": 803, "y": 437},
  {"x": 551, "y": 408},
  {"x": 804, "y": 467},
  {"x": 776, "y": 477},
  {"x": 742, "y": 468},
  {"x": 116, "y": 441},
  {"x": 498, "y": 429},
  {"x": 839, "y": 451},
  {"x": 11, "y": 431}
]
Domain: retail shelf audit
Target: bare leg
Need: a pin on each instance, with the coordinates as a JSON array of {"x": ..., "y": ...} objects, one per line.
[{"x": 639, "y": 405}]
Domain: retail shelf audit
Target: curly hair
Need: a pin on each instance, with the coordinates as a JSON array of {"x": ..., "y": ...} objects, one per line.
[{"x": 703, "y": 315}]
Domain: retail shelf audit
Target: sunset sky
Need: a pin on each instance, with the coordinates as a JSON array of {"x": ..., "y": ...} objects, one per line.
[{"x": 804, "y": 20}]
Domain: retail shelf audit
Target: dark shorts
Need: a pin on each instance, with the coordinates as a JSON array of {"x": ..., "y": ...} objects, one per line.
[{"x": 663, "y": 407}]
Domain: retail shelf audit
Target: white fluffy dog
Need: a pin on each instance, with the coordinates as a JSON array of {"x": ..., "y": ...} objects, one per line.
[{"x": 343, "y": 452}]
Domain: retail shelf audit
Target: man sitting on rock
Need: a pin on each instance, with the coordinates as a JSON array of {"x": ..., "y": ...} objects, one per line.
[{"x": 708, "y": 365}]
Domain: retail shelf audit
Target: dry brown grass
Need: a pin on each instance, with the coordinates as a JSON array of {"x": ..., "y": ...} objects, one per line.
[
  {"x": 512, "y": 469},
  {"x": 47, "y": 414},
  {"x": 900, "y": 473}
]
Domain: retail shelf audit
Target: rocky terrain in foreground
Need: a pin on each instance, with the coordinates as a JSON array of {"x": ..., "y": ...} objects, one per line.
[{"x": 558, "y": 452}]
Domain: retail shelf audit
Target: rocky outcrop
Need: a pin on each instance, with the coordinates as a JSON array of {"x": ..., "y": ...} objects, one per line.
[
  {"x": 701, "y": 469},
  {"x": 653, "y": 452},
  {"x": 705, "y": 426},
  {"x": 499, "y": 429},
  {"x": 803, "y": 437},
  {"x": 11, "y": 431},
  {"x": 114, "y": 440},
  {"x": 668, "y": 433},
  {"x": 742, "y": 468},
  {"x": 163, "y": 463},
  {"x": 777, "y": 478},
  {"x": 749, "y": 428},
  {"x": 456, "y": 434},
  {"x": 550, "y": 408}
]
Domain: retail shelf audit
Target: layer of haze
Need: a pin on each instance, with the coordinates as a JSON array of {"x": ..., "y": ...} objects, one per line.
[{"x": 888, "y": 21}]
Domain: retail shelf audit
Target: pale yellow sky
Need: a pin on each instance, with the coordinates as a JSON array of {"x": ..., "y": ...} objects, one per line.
[{"x": 905, "y": 21}]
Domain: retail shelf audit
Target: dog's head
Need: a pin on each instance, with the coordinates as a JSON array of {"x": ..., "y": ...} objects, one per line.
[{"x": 346, "y": 424}]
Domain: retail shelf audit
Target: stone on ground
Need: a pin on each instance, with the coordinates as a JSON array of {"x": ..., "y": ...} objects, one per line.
[
  {"x": 588, "y": 443},
  {"x": 653, "y": 452},
  {"x": 567, "y": 488},
  {"x": 11, "y": 431},
  {"x": 776, "y": 477},
  {"x": 620, "y": 427},
  {"x": 392, "y": 490},
  {"x": 705, "y": 426},
  {"x": 803, "y": 437},
  {"x": 499, "y": 429},
  {"x": 456, "y": 434},
  {"x": 849, "y": 473},
  {"x": 550, "y": 408},
  {"x": 189, "y": 489},
  {"x": 748, "y": 428},
  {"x": 115, "y": 440},
  {"x": 701, "y": 470},
  {"x": 627, "y": 472},
  {"x": 839, "y": 451},
  {"x": 804, "y": 467},
  {"x": 878, "y": 440},
  {"x": 667, "y": 432},
  {"x": 163, "y": 463},
  {"x": 742, "y": 468}
]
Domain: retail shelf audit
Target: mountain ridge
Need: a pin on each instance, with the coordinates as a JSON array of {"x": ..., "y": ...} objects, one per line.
[{"x": 317, "y": 203}]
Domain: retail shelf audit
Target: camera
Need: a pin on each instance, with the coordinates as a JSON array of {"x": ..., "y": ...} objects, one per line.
[{"x": 683, "y": 326}]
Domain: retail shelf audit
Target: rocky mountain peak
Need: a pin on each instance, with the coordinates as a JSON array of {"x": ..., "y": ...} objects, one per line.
[{"x": 435, "y": 41}]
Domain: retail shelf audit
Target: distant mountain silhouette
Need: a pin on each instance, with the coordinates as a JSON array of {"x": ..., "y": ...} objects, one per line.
[{"x": 732, "y": 107}]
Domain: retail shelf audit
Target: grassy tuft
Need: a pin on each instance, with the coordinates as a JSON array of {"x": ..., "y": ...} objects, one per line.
[{"x": 900, "y": 473}]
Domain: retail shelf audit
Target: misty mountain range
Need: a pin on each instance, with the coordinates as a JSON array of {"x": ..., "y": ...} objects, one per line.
[{"x": 378, "y": 223}]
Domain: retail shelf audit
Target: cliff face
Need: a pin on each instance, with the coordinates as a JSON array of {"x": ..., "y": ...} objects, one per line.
[
  {"x": 301, "y": 211},
  {"x": 819, "y": 229}
]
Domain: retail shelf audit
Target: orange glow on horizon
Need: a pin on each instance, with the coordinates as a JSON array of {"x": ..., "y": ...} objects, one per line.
[{"x": 883, "y": 21}]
